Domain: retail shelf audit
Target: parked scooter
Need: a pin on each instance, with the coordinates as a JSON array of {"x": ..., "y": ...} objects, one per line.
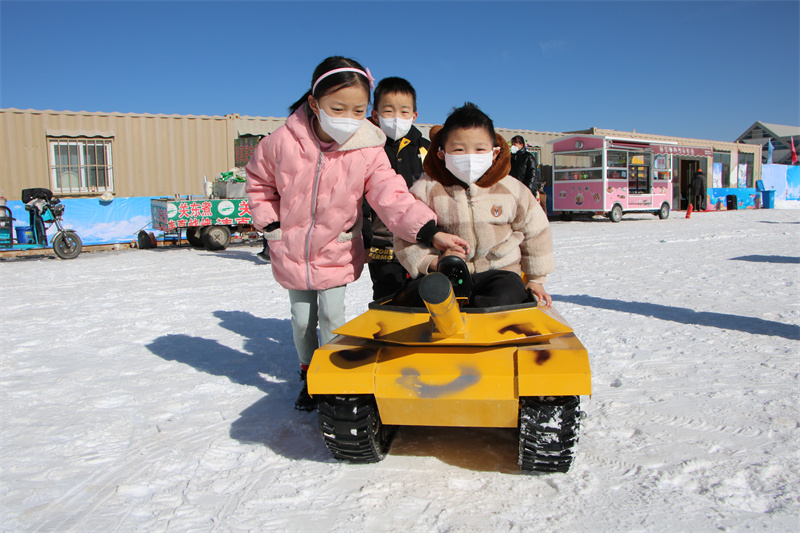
[{"x": 44, "y": 210}]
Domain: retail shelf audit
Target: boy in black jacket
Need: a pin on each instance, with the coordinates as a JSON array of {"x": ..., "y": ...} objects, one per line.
[{"x": 394, "y": 111}]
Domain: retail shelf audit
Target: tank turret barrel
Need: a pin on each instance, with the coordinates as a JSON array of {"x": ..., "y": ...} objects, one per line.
[{"x": 437, "y": 293}]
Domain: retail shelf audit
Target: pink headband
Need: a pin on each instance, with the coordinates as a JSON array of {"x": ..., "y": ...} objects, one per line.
[{"x": 366, "y": 74}]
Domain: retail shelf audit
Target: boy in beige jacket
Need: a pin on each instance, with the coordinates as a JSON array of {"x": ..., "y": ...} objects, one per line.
[{"x": 466, "y": 183}]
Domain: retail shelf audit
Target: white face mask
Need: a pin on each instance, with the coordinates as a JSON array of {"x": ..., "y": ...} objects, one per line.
[
  {"x": 514, "y": 149},
  {"x": 468, "y": 167},
  {"x": 395, "y": 127},
  {"x": 339, "y": 128}
]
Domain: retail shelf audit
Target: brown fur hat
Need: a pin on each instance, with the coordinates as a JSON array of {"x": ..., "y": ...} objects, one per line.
[{"x": 435, "y": 167}]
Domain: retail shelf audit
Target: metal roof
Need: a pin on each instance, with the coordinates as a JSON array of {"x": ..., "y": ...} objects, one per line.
[{"x": 777, "y": 131}]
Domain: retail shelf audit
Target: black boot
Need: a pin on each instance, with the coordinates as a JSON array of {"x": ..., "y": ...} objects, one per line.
[{"x": 305, "y": 402}]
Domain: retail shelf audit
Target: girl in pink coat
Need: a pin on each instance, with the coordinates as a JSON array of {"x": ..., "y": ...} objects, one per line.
[{"x": 305, "y": 185}]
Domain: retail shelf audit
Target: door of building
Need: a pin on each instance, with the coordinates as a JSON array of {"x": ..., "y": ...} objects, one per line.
[{"x": 687, "y": 169}]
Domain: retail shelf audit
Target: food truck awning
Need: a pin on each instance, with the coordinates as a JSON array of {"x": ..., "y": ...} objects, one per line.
[
  {"x": 687, "y": 151},
  {"x": 661, "y": 147},
  {"x": 594, "y": 142},
  {"x": 646, "y": 142}
]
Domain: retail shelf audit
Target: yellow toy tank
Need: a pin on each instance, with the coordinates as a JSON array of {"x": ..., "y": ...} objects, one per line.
[{"x": 515, "y": 366}]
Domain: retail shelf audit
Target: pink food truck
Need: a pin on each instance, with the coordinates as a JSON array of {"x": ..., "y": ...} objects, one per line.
[{"x": 611, "y": 176}]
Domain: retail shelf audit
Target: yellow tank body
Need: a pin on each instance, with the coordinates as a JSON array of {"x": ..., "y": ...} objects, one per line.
[
  {"x": 471, "y": 377},
  {"x": 398, "y": 325}
]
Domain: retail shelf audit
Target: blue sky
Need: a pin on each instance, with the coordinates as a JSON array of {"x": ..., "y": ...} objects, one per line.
[{"x": 691, "y": 69}]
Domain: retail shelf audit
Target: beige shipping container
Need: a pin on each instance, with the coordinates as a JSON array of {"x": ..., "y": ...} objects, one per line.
[{"x": 88, "y": 153}]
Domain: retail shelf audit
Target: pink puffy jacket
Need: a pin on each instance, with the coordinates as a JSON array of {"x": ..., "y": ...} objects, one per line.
[{"x": 317, "y": 198}]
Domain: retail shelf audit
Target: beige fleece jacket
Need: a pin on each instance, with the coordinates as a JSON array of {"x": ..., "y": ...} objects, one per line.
[{"x": 498, "y": 216}]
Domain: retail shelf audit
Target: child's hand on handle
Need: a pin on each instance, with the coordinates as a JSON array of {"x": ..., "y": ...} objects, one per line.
[
  {"x": 446, "y": 241},
  {"x": 545, "y": 300},
  {"x": 450, "y": 245}
]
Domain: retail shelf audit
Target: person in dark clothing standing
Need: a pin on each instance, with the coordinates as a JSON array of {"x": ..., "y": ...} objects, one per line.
[
  {"x": 698, "y": 190},
  {"x": 394, "y": 111},
  {"x": 523, "y": 165}
]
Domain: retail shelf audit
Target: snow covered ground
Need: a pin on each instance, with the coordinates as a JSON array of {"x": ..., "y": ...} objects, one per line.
[{"x": 153, "y": 390}]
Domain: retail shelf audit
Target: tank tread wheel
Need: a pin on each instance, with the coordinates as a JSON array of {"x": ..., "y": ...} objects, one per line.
[
  {"x": 548, "y": 432},
  {"x": 352, "y": 430}
]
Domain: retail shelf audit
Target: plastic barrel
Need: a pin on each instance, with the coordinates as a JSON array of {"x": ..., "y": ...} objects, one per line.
[
  {"x": 24, "y": 234},
  {"x": 768, "y": 199}
]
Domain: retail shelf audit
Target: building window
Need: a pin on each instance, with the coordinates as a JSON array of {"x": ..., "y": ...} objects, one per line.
[
  {"x": 748, "y": 160},
  {"x": 724, "y": 160},
  {"x": 81, "y": 166}
]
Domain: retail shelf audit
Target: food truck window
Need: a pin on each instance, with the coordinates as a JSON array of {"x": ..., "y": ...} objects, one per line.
[
  {"x": 564, "y": 175},
  {"x": 578, "y": 166},
  {"x": 661, "y": 166},
  {"x": 639, "y": 175},
  {"x": 593, "y": 159},
  {"x": 617, "y": 159}
]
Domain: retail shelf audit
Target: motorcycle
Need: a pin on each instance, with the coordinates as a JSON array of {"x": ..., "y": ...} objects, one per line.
[{"x": 45, "y": 210}]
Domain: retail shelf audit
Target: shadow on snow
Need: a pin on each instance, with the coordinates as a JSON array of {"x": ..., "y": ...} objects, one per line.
[
  {"x": 248, "y": 254},
  {"x": 268, "y": 350},
  {"x": 768, "y": 259},
  {"x": 746, "y": 324}
]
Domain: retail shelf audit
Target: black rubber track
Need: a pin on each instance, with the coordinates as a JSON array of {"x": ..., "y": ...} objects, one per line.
[
  {"x": 548, "y": 432},
  {"x": 352, "y": 430}
]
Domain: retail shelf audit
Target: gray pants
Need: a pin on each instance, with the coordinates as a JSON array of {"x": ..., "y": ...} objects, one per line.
[{"x": 325, "y": 307}]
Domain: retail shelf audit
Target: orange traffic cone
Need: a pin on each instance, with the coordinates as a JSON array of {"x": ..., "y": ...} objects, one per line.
[{"x": 689, "y": 212}]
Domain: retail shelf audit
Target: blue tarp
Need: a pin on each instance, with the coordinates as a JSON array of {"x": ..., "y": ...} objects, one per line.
[
  {"x": 96, "y": 221},
  {"x": 784, "y": 180}
]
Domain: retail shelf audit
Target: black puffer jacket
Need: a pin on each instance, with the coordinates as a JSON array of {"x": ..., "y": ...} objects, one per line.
[
  {"x": 523, "y": 167},
  {"x": 404, "y": 155},
  {"x": 699, "y": 184}
]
